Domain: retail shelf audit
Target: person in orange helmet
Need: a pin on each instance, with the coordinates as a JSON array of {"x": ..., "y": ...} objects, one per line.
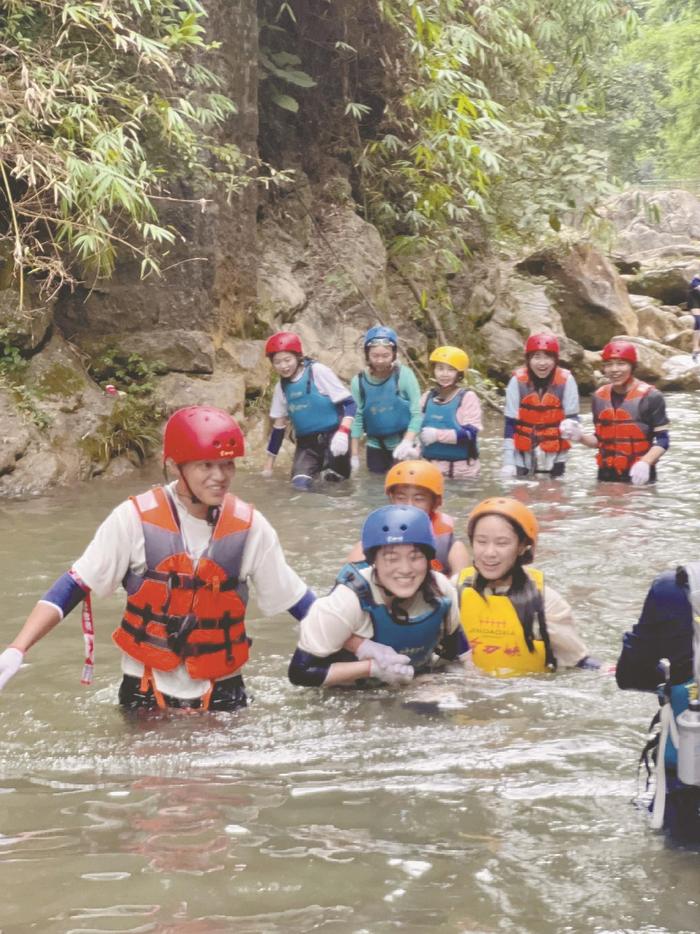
[
  {"x": 420, "y": 483},
  {"x": 185, "y": 553},
  {"x": 513, "y": 622},
  {"x": 629, "y": 419}
]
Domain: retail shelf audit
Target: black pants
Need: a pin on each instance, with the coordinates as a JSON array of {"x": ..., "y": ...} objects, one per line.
[
  {"x": 313, "y": 456},
  {"x": 557, "y": 470},
  {"x": 227, "y": 695},
  {"x": 379, "y": 460}
]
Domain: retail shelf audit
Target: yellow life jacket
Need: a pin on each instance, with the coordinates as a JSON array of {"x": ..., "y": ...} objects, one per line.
[{"x": 495, "y": 632}]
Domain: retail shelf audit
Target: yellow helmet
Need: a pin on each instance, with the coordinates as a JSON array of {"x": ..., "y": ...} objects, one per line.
[
  {"x": 519, "y": 514},
  {"x": 452, "y": 356},
  {"x": 416, "y": 473}
]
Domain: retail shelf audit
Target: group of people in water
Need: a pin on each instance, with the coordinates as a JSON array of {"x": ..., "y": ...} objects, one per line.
[
  {"x": 385, "y": 405},
  {"x": 410, "y": 599}
]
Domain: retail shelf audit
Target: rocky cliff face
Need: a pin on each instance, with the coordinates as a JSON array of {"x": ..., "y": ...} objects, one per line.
[{"x": 306, "y": 260}]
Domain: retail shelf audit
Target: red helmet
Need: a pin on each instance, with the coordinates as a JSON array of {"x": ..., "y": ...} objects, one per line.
[
  {"x": 283, "y": 340},
  {"x": 546, "y": 342},
  {"x": 620, "y": 350},
  {"x": 201, "y": 432}
]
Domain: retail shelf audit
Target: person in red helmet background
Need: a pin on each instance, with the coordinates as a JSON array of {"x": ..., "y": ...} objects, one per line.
[
  {"x": 629, "y": 420},
  {"x": 184, "y": 553},
  {"x": 320, "y": 408},
  {"x": 540, "y": 396}
]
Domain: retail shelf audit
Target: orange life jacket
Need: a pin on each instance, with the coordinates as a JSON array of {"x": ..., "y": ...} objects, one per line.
[
  {"x": 622, "y": 436},
  {"x": 539, "y": 416},
  {"x": 444, "y": 532},
  {"x": 182, "y": 610}
]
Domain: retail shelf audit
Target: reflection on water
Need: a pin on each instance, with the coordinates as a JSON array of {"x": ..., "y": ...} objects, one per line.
[{"x": 467, "y": 806}]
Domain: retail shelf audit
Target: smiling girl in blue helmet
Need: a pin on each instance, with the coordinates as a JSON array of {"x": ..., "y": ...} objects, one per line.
[{"x": 385, "y": 621}]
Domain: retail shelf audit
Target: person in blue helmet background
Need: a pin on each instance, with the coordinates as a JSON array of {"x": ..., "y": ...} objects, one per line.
[
  {"x": 665, "y": 633},
  {"x": 386, "y": 621},
  {"x": 320, "y": 408},
  {"x": 387, "y": 395}
]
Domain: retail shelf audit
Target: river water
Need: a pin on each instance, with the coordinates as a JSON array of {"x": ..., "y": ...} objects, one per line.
[{"x": 461, "y": 805}]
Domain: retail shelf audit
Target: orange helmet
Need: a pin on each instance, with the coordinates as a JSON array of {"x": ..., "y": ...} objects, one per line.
[
  {"x": 416, "y": 473},
  {"x": 513, "y": 510}
]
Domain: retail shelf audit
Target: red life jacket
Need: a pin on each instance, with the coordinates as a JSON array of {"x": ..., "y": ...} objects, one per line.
[
  {"x": 622, "y": 436},
  {"x": 443, "y": 530},
  {"x": 539, "y": 416},
  {"x": 181, "y": 610}
]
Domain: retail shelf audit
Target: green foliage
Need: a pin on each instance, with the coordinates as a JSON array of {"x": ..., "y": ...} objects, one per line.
[
  {"x": 11, "y": 359},
  {"x": 131, "y": 429},
  {"x": 129, "y": 372},
  {"x": 102, "y": 102}
]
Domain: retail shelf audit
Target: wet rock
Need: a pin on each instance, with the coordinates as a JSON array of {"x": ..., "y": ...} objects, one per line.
[
  {"x": 586, "y": 290},
  {"x": 24, "y": 328},
  {"x": 247, "y": 356},
  {"x": 668, "y": 284},
  {"x": 16, "y": 433},
  {"x": 225, "y": 390},
  {"x": 656, "y": 323},
  {"x": 177, "y": 350}
]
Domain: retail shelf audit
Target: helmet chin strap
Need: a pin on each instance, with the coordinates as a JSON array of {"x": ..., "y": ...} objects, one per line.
[{"x": 212, "y": 511}]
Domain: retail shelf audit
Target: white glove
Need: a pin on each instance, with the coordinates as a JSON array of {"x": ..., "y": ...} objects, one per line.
[
  {"x": 570, "y": 429},
  {"x": 339, "y": 443},
  {"x": 10, "y": 661},
  {"x": 508, "y": 471},
  {"x": 354, "y": 464},
  {"x": 392, "y": 674},
  {"x": 405, "y": 451},
  {"x": 639, "y": 473},
  {"x": 384, "y": 655},
  {"x": 428, "y": 436}
]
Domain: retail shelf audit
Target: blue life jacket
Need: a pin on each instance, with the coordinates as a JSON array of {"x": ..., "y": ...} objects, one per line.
[
  {"x": 416, "y": 638},
  {"x": 309, "y": 409},
  {"x": 444, "y": 416},
  {"x": 385, "y": 411}
]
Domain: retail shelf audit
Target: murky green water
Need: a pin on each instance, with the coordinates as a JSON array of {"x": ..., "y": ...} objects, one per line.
[{"x": 478, "y": 806}]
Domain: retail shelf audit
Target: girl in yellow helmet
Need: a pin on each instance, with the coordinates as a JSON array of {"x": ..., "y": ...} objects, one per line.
[
  {"x": 451, "y": 417},
  {"x": 420, "y": 484},
  {"x": 514, "y": 624}
]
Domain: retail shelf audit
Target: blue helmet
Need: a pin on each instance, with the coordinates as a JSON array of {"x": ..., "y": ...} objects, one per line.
[
  {"x": 382, "y": 335},
  {"x": 397, "y": 525}
]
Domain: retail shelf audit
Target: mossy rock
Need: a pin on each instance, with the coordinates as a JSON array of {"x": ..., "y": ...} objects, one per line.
[{"x": 59, "y": 380}]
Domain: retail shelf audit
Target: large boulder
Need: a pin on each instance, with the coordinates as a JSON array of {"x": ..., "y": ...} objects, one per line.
[
  {"x": 645, "y": 221},
  {"x": 224, "y": 390},
  {"x": 586, "y": 290},
  {"x": 666, "y": 282}
]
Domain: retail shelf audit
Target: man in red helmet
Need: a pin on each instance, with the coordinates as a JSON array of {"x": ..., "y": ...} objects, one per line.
[
  {"x": 539, "y": 397},
  {"x": 320, "y": 408},
  {"x": 629, "y": 418},
  {"x": 185, "y": 553}
]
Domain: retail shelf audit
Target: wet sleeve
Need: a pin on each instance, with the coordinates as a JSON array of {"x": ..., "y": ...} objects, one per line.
[
  {"x": 331, "y": 621},
  {"x": 511, "y": 415},
  {"x": 278, "y": 406},
  {"x": 117, "y": 546},
  {"x": 408, "y": 385},
  {"x": 469, "y": 412},
  {"x": 567, "y": 645},
  {"x": 277, "y": 586},
  {"x": 358, "y": 424},
  {"x": 570, "y": 400},
  {"x": 664, "y": 630},
  {"x": 329, "y": 384},
  {"x": 652, "y": 410}
]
